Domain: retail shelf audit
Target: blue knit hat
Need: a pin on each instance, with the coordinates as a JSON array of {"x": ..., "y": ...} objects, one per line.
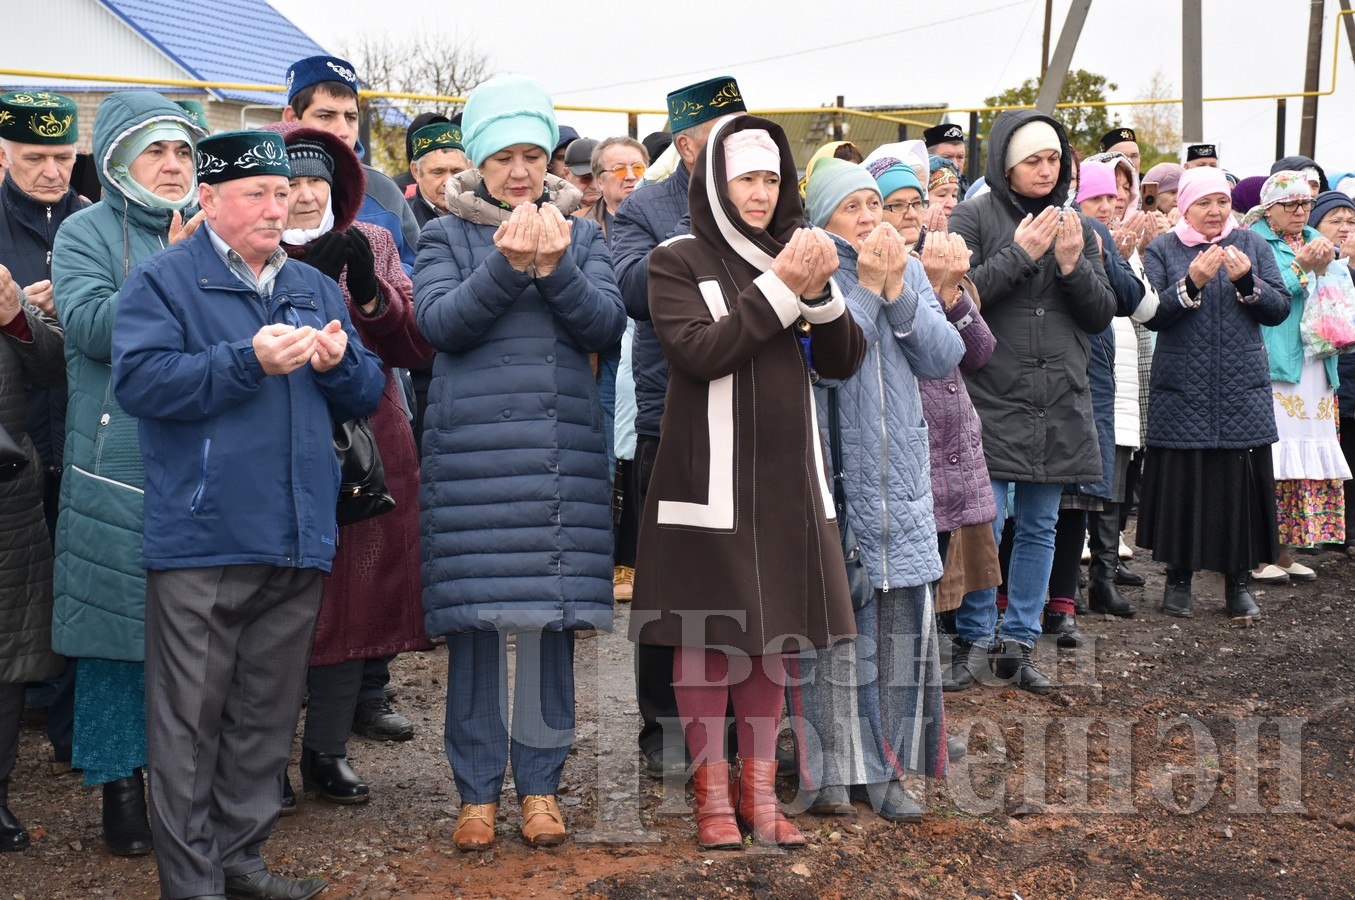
[
  {"x": 508, "y": 110},
  {"x": 830, "y": 182},
  {"x": 314, "y": 69},
  {"x": 1326, "y": 202},
  {"x": 891, "y": 175}
]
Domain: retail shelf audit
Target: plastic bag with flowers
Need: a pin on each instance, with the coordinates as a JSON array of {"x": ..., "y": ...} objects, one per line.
[{"x": 1328, "y": 324}]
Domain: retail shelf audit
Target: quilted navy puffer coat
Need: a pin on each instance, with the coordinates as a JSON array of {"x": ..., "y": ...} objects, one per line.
[{"x": 515, "y": 501}]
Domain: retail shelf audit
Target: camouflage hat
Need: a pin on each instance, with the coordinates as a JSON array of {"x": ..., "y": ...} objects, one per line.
[{"x": 38, "y": 117}]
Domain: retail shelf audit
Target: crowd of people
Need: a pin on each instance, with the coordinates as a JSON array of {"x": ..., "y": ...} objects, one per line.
[{"x": 842, "y": 442}]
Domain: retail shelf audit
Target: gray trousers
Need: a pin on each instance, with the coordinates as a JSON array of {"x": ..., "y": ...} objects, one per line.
[{"x": 226, "y": 655}]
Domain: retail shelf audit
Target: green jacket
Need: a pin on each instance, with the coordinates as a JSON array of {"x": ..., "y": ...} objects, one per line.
[
  {"x": 100, "y": 586},
  {"x": 1284, "y": 344}
]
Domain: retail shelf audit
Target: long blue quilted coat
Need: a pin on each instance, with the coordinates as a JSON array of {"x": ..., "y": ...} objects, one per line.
[{"x": 515, "y": 499}]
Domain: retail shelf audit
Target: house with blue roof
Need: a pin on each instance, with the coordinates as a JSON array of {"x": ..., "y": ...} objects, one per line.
[{"x": 243, "y": 42}]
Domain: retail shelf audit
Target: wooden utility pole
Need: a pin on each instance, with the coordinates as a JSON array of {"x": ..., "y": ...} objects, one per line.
[
  {"x": 1051, "y": 85},
  {"x": 1308, "y": 124},
  {"x": 1192, "y": 77},
  {"x": 1044, "y": 41},
  {"x": 1350, "y": 25}
]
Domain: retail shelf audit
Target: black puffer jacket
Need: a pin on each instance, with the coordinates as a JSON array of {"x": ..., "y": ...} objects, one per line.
[{"x": 1033, "y": 396}]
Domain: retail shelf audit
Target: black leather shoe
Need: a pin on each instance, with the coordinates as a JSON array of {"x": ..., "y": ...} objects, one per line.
[
  {"x": 376, "y": 720},
  {"x": 1239, "y": 602},
  {"x": 1102, "y": 597},
  {"x": 1063, "y": 626},
  {"x": 13, "y": 834},
  {"x": 262, "y": 885},
  {"x": 1013, "y": 664},
  {"x": 785, "y": 762},
  {"x": 959, "y": 677},
  {"x": 127, "y": 831},
  {"x": 1176, "y": 598},
  {"x": 831, "y": 800},
  {"x": 889, "y": 801},
  {"x": 332, "y": 778},
  {"x": 1127, "y": 577},
  {"x": 660, "y": 763}
]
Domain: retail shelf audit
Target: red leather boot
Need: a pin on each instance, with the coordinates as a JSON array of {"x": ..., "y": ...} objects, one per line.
[
  {"x": 716, "y": 828},
  {"x": 759, "y": 809}
]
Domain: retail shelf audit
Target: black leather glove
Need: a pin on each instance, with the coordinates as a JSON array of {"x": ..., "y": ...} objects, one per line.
[
  {"x": 362, "y": 284},
  {"x": 328, "y": 253}
]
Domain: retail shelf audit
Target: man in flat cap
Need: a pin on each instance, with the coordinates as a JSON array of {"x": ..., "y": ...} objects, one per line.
[
  {"x": 1122, "y": 140},
  {"x": 38, "y": 131},
  {"x": 648, "y": 217},
  {"x": 947, "y": 141},
  {"x": 322, "y": 92},
  {"x": 436, "y": 154},
  {"x": 1198, "y": 155},
  {"x": 236, "y": 362}
]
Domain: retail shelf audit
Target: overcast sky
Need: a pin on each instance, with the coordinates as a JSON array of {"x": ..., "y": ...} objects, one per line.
[{"x": 879, "y": 53}]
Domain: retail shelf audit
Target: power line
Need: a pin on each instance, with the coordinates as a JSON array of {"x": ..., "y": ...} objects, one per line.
[{"x": 779, "y": 56}]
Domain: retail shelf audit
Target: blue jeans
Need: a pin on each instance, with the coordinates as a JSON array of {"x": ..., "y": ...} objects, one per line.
[{"x": 1035, "y": 508}]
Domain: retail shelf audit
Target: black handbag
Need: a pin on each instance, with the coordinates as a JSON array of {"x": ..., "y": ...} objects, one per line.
[
  {"x": 858, "y": 579},
  {"x": 12, "y": 456},
  {"x": 362, "y": 491}
]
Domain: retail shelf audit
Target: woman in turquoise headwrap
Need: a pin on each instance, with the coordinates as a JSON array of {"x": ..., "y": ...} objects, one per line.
[{"x": 143, "y": 147}]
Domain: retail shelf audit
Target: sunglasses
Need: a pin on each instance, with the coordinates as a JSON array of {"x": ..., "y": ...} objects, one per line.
[{"x": 619, "y": 170}]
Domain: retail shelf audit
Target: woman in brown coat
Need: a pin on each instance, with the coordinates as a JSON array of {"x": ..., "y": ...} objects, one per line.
[{"x": 740, "y": 559}]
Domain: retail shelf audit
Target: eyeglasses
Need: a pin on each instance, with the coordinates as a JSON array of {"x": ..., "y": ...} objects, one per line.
[
  {"x": 619, "y": 170},
  {"x": 1293, "y": 205},
  {"x": 916, "y": 206},
  {"x": 1339, "y": 222}
]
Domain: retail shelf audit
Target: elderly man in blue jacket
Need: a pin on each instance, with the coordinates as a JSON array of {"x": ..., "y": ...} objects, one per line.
[{"x": 236, "y": 362}]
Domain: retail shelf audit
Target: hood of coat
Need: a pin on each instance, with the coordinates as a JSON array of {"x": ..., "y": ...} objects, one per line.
[
  {"x": 350, "y": 181},
  {"x": 119, "y": 115},
  {"x": 714, "y": 214},
  {"x": 464, "y": 203},
  {"x": 994, "y": 174},
  {"x": 1298, "y": 164}
]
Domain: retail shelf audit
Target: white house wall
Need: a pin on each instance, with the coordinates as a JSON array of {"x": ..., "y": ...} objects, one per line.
[{"x": 79, "y": 36}]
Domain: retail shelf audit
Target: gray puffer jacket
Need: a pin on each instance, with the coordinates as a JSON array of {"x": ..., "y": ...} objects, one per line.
[{"x": 1033, "y": 395}]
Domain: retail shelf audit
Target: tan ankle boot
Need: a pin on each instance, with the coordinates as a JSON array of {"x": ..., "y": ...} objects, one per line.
[
  {"x": 716, "y": 828},
  {"x": 542, "y": 823},
  {"x": 759, "y": 809},
  {"x": 475, "y": 826}
]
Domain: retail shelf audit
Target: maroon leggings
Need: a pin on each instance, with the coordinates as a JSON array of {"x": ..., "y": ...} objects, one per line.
[{"x": 704, "y": 686}]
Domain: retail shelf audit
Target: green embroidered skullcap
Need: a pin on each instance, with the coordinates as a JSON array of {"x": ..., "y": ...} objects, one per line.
[
  {"x": 701, "y": 102},
  {"x": 197, "y": 112},
  {"x": 241, "y": 154},
  {"x": 437, "y": 136},
  {"x": 38, "y": 117}
]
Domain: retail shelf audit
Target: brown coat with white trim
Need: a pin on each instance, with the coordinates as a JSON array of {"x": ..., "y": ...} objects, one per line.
[{"x": 738, "y": 547}]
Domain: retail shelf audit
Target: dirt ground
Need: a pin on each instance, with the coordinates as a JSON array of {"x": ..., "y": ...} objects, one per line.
[{"x": 1175, "y": 758}]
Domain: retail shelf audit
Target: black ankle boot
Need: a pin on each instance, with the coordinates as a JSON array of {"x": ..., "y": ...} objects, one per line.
[
  {"x": 1063, "y": 626},
  {"x": 1013, "y": 664},
  {"x": 127, "y": 830},
  {"x": 1238, "y": 600},
  {"x": 331, "y": 777},
  {"x": 13, "y": 834},
  {"x": 1104, "y": 597},
  {"x": 1176, "y": 598}
]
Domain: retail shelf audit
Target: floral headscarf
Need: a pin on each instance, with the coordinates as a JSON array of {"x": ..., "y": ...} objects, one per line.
[
  {"x": 1282, "y": 187},
  {"x": 943, "y": 172}
]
